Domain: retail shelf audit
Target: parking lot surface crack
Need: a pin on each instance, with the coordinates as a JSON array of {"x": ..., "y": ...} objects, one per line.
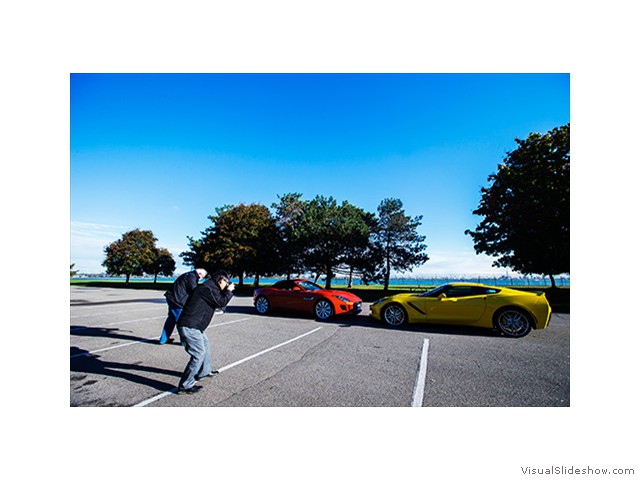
[{"x": 297, "y": 361}]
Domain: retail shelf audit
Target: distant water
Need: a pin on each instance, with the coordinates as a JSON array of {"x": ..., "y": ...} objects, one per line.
[{"x": 503, "y": 281}]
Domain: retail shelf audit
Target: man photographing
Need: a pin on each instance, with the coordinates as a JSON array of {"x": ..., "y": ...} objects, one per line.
[
  {"x": 215, "y": 292},
  {"x": 177, "y": 295}
]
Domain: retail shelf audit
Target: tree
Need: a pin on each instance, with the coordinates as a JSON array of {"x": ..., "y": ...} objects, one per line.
[
  {"x": 331, "y": 233},
  {"x": 134, "y": 254},
  {"x": 526, "y": 207},
  {"x": 72, "y": 272},
  {"x": 241, "y": 240},
  {"x": 396, "y": 240},
  {"x": 290, "y": 245},
  {"x": 195, "y": 255},
  {"x": 163, "y": 265},
  {"x": 359, "y": 255}
]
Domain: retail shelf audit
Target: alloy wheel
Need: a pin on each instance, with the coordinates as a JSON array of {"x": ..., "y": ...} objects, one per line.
[
  {"x": 394, "y": 315},
  {"x": 262, "y": 305},
  {"x": 323, "y": 310},
  {"x": 514, "y": 323}
]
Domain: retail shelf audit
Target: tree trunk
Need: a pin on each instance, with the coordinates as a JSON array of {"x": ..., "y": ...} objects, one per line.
[
  {"x": 128, "y": 276},
  {"x": 155, "y": 278},
  {"x": 256, "y": 282},
  {"x": 387, "y": 274},
  {"x": 553, "y": 281},
  {"x": 350, "y": 285},
  {"x": 241, "y": 279},
  {"x": 327, "y": 284}
]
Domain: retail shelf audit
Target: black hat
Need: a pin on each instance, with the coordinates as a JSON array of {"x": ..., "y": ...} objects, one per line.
[{"x": 220, "y": 275}]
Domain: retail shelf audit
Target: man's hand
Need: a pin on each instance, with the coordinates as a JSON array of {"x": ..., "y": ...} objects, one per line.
[{"x": 231, "y": 287}]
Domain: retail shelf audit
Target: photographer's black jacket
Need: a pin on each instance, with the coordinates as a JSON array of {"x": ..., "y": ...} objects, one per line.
[
  {"x": 201, "y": 305},
  {"x": 179, "y": 292}
]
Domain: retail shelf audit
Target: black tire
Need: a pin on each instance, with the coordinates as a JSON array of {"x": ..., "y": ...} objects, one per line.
[
  {"x": 394, "y": 315},
  {"x": 323, "y": 310},
  {"x": 513, "y": 322},
  {"x": 262, "y": 305}
]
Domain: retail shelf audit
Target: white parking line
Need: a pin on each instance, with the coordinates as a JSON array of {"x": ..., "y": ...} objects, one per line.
[
  {"x": 84, "y": 306},
  {"x": 144, "y": 340},
  {"x": 418, "y": 391},
  {"x": 115, "y": 346},
  {"x": 116, "y": 323},
  {"x": 227, "y": 367},
  {"x": 111, "y": 313},
  {"x": 122, "y": 323}
]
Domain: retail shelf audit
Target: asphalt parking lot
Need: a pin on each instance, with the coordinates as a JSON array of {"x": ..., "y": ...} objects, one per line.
[{"x": 288, "y": 361}]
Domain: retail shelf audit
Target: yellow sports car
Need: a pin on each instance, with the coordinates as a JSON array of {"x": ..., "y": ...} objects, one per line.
[{"x": 513, "y": 312}]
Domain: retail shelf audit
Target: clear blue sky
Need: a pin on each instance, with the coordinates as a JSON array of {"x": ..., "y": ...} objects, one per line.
[{"x": 161, "y": 152}]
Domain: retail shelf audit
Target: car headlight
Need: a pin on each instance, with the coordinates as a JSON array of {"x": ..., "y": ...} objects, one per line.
[{"x": 344, "y": 299}]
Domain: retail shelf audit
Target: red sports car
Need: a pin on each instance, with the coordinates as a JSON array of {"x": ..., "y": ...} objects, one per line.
[{"x": 305, "y": 297}]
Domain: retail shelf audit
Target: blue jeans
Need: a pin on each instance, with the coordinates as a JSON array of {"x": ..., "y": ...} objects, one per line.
[
  {"x": 197, "y": 345},
  {"x": 170, "y": 322}
]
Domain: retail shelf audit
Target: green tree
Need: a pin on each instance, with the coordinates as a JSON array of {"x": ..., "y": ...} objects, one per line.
[
  {"x": 526, "y": 207},
  {"x": 134, "y": 254},
  {"x": 290, "y": 244},
  {"x": 72, "y": 271},
  {"x": 331, "y": 234},
  {"x": 195, "y": 255},
  {"x": 396, "y": 241},
  {"x": 241, "y": 240},
  {"x": 163, "y": 265},
  {"x": 358, "y": 253}
]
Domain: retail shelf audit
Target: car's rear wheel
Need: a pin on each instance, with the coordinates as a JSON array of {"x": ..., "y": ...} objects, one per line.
[
  {"x": 394, "y": 315},
  {"x": 323, "y": 310},
  {"x": 513, "y": 322},
  {"x": 262, "y": 305}
]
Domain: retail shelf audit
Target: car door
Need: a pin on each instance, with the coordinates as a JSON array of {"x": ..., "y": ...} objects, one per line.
[
  {"x": 460, "y": 305},
  {"x": 279, "y": 294},
  {"x": 300, "y": 299},
  {"x": 277, "y": 298}
]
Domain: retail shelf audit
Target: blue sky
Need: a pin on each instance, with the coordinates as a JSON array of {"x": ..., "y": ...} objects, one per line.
[{"x": 161, "y": 152}]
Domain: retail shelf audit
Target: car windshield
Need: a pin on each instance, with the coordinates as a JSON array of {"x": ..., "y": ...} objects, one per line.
[{"x": 309, "y": 286}]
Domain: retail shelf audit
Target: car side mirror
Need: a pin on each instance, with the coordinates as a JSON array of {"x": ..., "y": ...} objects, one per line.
[{"x": 443, "y": 297}]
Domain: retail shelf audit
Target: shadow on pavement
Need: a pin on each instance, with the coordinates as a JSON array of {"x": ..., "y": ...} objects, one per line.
[
  {"x": 91, "y": 363},
  {"x": 365, "y": 321}
]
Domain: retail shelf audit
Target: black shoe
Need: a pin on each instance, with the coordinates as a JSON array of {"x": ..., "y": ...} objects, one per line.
[
  {"x": 212, "y": 374},
  {"x": 189, "y": 391}
]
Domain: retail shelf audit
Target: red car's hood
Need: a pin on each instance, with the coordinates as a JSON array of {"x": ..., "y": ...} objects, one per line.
[{"x": 349, "y": 296}]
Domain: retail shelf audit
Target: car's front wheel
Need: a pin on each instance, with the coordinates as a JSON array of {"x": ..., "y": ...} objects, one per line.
[
  {"x": 513, "y": 322},
  {"x": 262, "y": 305},
  {"x": 323, "y": 310},
  {"x": 394, "y": 315}
]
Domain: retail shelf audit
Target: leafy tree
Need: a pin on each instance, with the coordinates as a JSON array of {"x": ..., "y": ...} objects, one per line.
[
  {"x": 526, "y": 208},
  {"x": 134, "y": 254},
  {"x": 396, "y": 241},
  {"x": 163, "y": 265},
  {"x": 72, "y": 271},
  {"x": 359, "y": 254},
  {"x": 331, "y": 233},
  {"x": 195, "y": 255},
  {"x": 290, "y": 245},
  {"x": 242, "y": 240}
]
